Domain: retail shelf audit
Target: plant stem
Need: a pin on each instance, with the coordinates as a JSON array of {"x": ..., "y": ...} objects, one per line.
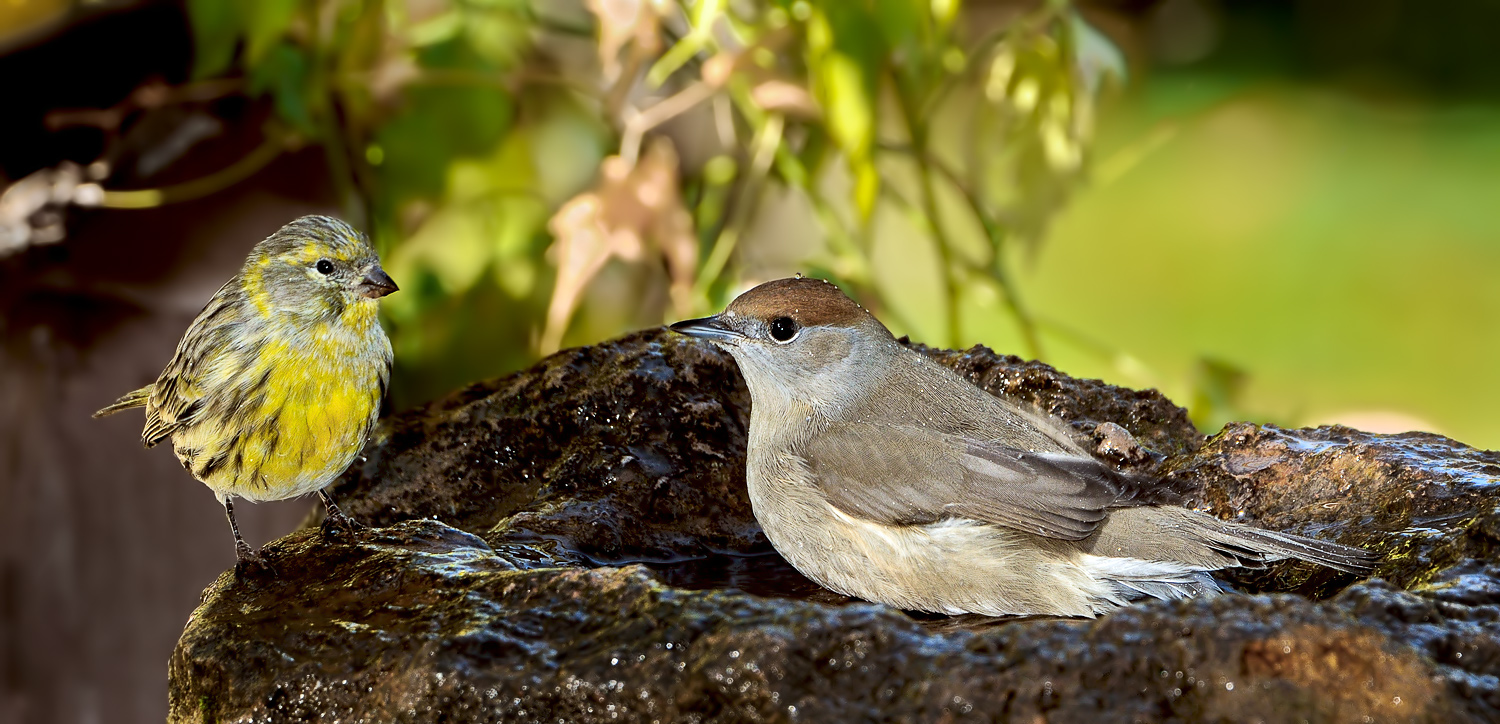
[
  {"x": 997, "y": 236},
  {"x": 238, "y": 171},
  {"x": 917, "y": 129},
  {"x": 767, "y": 140}
]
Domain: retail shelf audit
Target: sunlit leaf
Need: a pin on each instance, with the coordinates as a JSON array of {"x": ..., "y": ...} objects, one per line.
[
  {"x": 779, "y": 96},
  {"x": 439, "y": 29},
  {"x": 866, "y": 187},
  {"x": 1098, "y": 58},
  {"x": 626, "y": 22},
  {"x": 633, "y": 209},
  {"x": 497, "y": 36},
  {"x": 849, "y": 92},
  {"x": 265, "y": 23}
]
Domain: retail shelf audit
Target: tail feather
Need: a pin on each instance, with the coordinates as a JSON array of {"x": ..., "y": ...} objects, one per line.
[
  {"x": 134, "y": 398},
  {"x": 1205, "y": 543},
  {"x": 1273, "y": 545}
]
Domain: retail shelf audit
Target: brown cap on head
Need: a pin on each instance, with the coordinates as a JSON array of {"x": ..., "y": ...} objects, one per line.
[{"x": 811, "y": 302}]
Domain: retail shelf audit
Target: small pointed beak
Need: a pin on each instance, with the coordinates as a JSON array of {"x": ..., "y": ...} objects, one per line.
[
  {"x": 376, "y": 284},
  {"x": 710, "y": 328}
]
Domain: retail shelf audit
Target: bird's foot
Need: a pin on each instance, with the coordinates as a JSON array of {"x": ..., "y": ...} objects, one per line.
[
  {"x": 250, "y": 563},
  {"x": 338, "y": 526}
]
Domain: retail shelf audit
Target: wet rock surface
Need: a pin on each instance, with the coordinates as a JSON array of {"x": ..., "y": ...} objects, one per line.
[
  {"x": 633, "y": 450},
  {"x": 502, "y": 583},
  {"x": 1423, "y": 501}
]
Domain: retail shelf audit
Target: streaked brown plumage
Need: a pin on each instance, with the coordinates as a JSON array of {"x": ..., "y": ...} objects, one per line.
[{"x": 277, "y": 383}]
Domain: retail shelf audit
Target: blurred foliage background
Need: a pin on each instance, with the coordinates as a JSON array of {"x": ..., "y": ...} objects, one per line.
[{"x": 1270, "y": 211}]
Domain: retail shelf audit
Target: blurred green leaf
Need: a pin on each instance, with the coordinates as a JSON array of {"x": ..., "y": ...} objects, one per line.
[
  {"x": 265, "y": 23},
  {"x": 216, "y": 32},
  {"x": 438, "y": 124},
  {"x": 498, "y": 36},
  {"x": 1217, "y": 391},
  {"x": 439, "y": 29},
  {"x": 848, "y": 96},
  {"x": 284, "y": 74}
]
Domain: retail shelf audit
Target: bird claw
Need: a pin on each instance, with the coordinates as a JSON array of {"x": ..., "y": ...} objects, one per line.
[
  {"x": 337, "y": 525},
  {"x": 250, "y": 563}
]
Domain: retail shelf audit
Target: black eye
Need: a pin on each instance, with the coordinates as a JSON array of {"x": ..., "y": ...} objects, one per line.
[
  {"x": 324, "y": 266},
  {"x": 783, "y": 329}
]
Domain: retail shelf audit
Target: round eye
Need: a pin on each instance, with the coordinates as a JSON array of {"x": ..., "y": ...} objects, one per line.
[
  {"x": 783, "y": 329},
  {"x": 324, "y": 266}
]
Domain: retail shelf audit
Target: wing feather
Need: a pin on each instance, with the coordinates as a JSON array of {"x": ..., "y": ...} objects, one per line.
[
  {"x": 177, "y": 396},
  {"x": 901, "y": 474}
]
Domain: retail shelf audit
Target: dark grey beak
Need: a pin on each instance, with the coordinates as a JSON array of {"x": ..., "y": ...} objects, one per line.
[
  {"x": 710, "y": 328},
  {"x": 376, "y": 284}
]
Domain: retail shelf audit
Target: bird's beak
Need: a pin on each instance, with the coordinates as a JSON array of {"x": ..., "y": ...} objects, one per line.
[
  {"x": 710, "y": 328},
  {"x": 376, "y": 284}
]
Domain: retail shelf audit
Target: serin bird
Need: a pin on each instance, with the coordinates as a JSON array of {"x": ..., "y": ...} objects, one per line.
[
  {"x": 881, "y": 474},
  {"x": 279, "y": 380}
]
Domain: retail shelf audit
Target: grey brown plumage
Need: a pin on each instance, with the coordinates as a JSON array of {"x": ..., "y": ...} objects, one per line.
[{"x": 884, "y": 475}]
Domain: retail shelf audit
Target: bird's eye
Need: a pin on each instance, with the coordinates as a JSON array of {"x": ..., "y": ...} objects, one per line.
[
  {"x": 324, "y": 266},
  {"x": 783, "y": 329}
]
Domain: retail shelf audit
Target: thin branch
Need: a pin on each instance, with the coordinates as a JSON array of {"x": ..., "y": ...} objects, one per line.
[
  {"x": 997, "y": 236},
  {"x": 767, "y": 139},
  {"x": 917, "y": 129},
  {"x": 146, "y": 97},
  {"x": 236, "y": 172},
  {"x": 669, "y": 108},
  {"x": 997, "y": 233}
]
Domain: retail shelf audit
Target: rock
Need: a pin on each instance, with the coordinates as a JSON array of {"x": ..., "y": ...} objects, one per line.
[
  {"x": 631, "y": 450},
  {"x": 1423, "y": 501},
  {"x": 527, "y": 601},
  {"x": 420, "y": 622}
]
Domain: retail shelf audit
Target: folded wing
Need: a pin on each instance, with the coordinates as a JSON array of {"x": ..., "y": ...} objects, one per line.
[{"x": 899, "y": 474}]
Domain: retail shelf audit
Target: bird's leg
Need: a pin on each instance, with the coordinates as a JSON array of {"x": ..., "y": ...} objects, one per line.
[
  {"x": 336, "y": 522},
  {"x": 245, "y": 557}
]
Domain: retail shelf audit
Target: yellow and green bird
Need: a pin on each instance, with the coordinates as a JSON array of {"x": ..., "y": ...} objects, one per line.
[{"x": 278, "y": 382}]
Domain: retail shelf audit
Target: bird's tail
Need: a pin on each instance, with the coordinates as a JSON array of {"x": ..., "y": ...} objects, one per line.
[
  {"x": 1204, "y": 543},
  {"x": 136, "y": 398},
  {"x": 1270, "y": 545}
]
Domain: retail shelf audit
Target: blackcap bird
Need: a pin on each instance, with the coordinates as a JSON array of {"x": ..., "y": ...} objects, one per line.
[{"x": 881, "y": 474}]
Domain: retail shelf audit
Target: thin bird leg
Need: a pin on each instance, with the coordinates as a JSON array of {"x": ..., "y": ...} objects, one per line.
[
  {"x": 242, "y": 550},
  {"x": 336, "y": 518}
]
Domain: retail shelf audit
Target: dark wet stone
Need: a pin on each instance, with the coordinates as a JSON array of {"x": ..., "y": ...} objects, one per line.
[
  {"x": 633, "y": 452},
  {"x": 1423, "y": 501},
  {"x": 420, "y": 622}
]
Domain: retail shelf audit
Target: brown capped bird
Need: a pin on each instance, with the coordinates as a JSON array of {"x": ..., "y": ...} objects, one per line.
[{"x": 881, "y": 474}]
